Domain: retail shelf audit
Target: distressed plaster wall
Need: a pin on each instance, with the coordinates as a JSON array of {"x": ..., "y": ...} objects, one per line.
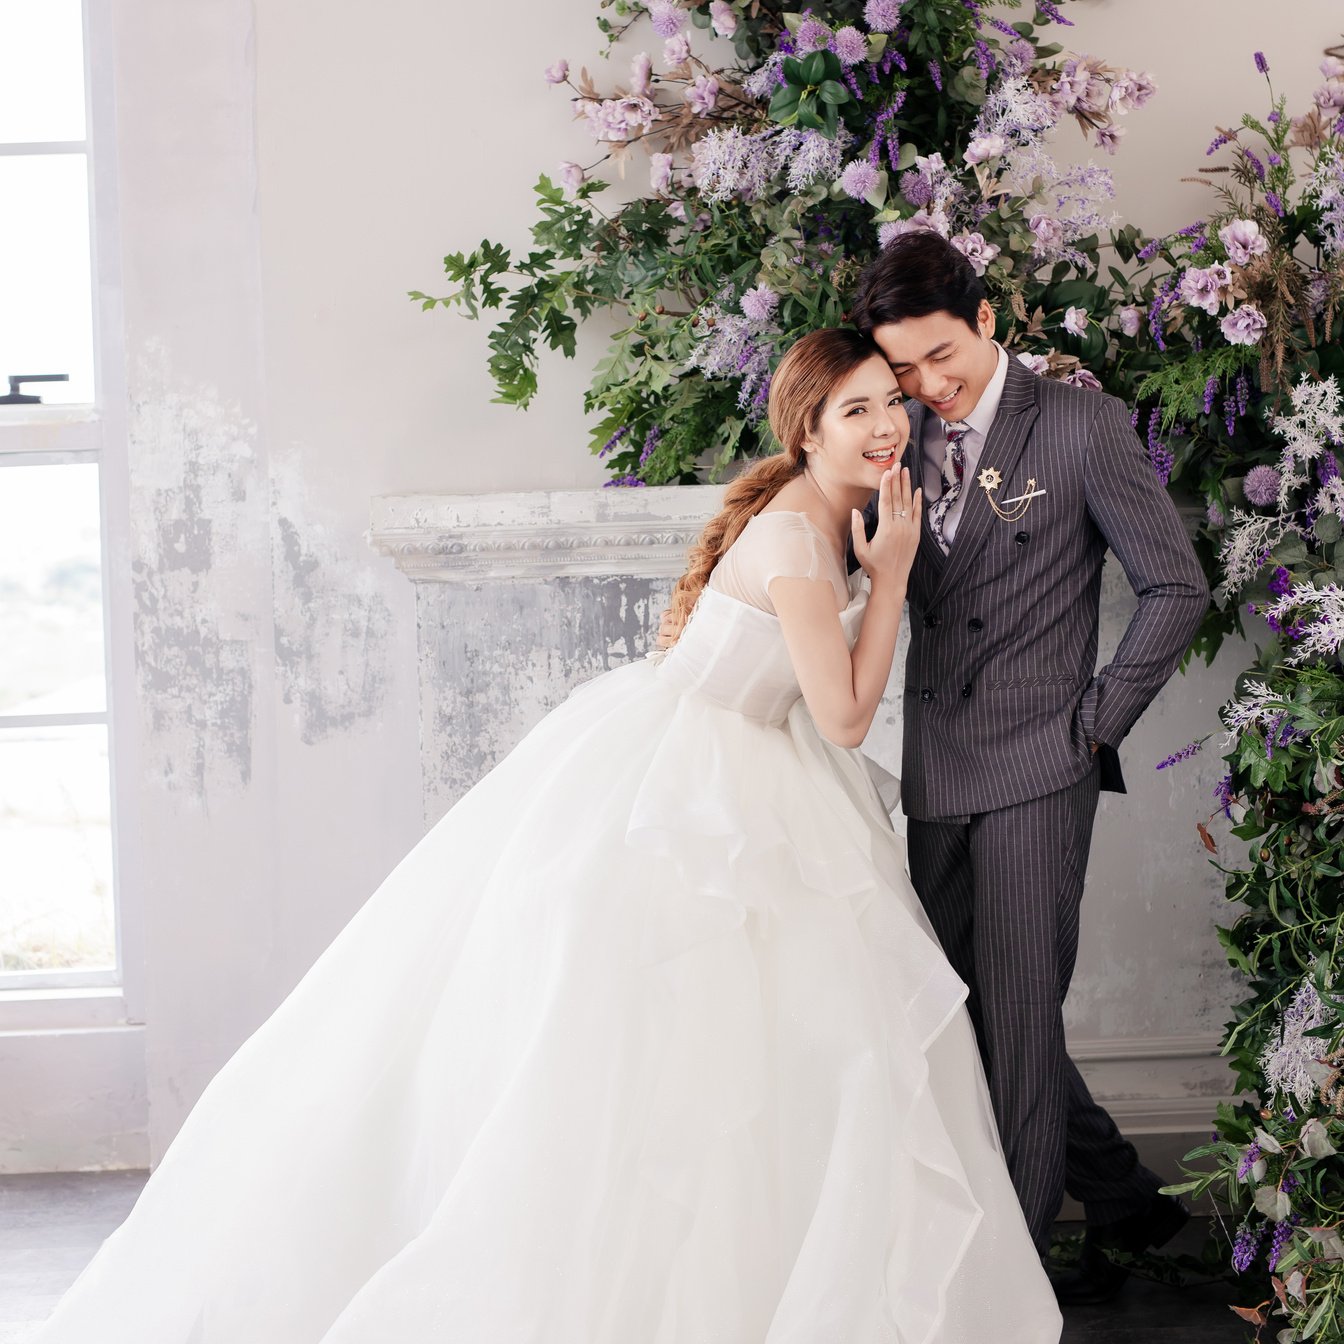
[{"x": 285, "y": 172}]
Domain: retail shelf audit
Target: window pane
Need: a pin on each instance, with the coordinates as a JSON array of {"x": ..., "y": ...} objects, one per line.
[
  {"x": 46, "y": 321},
  {"x": 55, "y": 850},
  {"x": 51, "y": 598},
  {"x": 41, "y": 70}
]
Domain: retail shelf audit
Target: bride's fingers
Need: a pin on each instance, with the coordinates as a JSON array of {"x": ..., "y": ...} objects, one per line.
[
  {"x": 860, "y": 536},
  {"x": 885, "y": 507}
]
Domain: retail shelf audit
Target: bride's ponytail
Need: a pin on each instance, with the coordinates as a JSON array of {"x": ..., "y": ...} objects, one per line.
[{"x": 804, "y": 380}]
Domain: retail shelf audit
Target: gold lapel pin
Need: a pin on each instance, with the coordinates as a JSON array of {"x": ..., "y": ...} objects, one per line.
[{"x": 989, "y": 481}]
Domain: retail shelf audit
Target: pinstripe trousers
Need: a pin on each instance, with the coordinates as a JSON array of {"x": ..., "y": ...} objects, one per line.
[{"x": 1002, "y": 890}]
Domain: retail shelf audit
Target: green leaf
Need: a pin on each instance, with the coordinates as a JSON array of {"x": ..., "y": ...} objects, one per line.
[
  {"x": 830, "y": 116},
  {"x": 793, "y": 70},
  {"x": 906, "y": 158},
  {"x": 807, "y": 115},
  {"x": 1327, "y": 528},
  {"x": 831, "y": 92},
  {"x": 784, "y": 104},
  {"x": 814, "y": 67}
]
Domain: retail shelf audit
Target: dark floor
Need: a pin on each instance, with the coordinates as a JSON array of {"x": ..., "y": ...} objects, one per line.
[{"x": 51, "y": 1225}]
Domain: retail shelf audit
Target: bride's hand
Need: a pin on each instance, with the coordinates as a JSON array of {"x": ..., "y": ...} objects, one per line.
[{"x": 889, "y": 555}]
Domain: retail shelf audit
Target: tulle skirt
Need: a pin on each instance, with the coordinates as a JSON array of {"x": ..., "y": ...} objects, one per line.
[{"x": 648, "y": 1041}]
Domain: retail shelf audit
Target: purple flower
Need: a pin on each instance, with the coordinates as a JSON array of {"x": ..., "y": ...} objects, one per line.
[
  {"x": 1245, "y": 1247},
  {"x": 1177, "y": 757},
  {"x": 1327, "y": 468},
  {"x": 858, "y": 179},
  {"x": 916, "y": 187},
  {"x": 976, "y": 250},
  {"x": 850, "y": 46},
  {"x": 571, "y": 176},
  {"x": 1131, "y": 319},
  {"x": 1282, "y": 1231},
  {"x": 1223, "y": 796},
  {"x": 615, "y": 439},
  {"x": 812, "y": 35},
  {"x": 985, "y": 147},
  {"x": 759, "y": 304},
  {"x": 1244, "y": 325},
  {"x": 882, "y": 16},
  {"x": 703, "y": 95},
  {"x": 1261, "y": 64},
  {"x": 1048, "y": 231},
  {"x": 624, "y": 481},
  {"x": 936, "y": 74},
  {"x": 1082, "y": 378},
  {"x": 660, "y": 172},
  {"x": 1243, "y": 240},
  {"x": 1203, "y": 287},
  {"x": 1075, "y": 321},
  {"x": 1038, "y": 364},
  {"x": 641, "y": 71},
  {"x": 1261, "y": 486},
  {"x": 1214, "y": 515},
  {"x": 676, "y": 49},
  {"x": 668, "y": 17},
  {"x": 1210, "y": 391},
  {"x": 1280, "y": 582},
  {"x": 557, "y": 73},
  {"x": 650, "y": 443},
  {"x": 1108, "y": 137},
  {"x": 1219, "y": 140},
  {"x": 1275, "y": 204},
  {"x": 722, "y": 17}
]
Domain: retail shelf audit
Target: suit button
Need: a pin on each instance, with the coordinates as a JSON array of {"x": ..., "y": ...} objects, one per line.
[
  {"x": 976, "y": 624},
  {"x": 1022, "y": 538},
  {"x": 930, "y": 620},
  {"x": 926, "y": 694},
  {"x": 966, "y": 691}
]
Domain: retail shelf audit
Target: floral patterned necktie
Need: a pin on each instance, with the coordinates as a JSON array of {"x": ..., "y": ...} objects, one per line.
[{"x": 954, "y": 469}]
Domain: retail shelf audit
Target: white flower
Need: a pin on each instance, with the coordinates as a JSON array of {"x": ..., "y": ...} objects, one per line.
[
  {"x": 1131, "y": 319},
  {"x": 1038, "y": 364},
  {"x": 557, "y": 73},
  {"x": 985, "y": 147},
  {"x": 1075, "y": 321},
  {"x": 571, "y": 176}
]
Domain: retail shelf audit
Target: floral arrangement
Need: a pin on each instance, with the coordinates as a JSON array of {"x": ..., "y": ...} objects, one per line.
[
  {"x": 1235, "y": 372},
  {"x": 783, "y": 149}
]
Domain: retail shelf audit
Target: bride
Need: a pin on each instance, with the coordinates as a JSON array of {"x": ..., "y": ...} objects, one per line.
[{"x": 649, "y": 1040}]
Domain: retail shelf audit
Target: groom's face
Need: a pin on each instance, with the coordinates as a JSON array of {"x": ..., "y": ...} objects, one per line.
[{"x": 939, "y": 360}]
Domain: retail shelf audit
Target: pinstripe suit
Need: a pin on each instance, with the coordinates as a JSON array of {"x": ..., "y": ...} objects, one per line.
[{"x": 999, "y": 780}]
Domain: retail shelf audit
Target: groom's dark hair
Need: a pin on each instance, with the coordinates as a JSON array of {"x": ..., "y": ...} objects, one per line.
[{"x": 917, "y": 273}]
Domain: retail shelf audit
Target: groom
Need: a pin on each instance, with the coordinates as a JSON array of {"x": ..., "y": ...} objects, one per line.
[{"x": 1009, "y": 731}]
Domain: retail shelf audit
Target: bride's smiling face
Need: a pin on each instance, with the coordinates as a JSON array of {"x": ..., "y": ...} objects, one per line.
[{"x": 862, "y": 431}]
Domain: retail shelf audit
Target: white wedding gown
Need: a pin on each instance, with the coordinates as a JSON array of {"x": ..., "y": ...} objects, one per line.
[{"x": 648, "y": 1041}]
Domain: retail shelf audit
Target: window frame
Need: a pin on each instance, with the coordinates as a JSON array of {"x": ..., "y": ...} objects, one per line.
[{"x": 97, "y": 432}]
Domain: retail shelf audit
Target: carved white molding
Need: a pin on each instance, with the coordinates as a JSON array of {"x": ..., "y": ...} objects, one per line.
[{"x": 542, "y": 534}]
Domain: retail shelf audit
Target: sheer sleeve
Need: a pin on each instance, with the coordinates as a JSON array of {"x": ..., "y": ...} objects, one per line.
[{"x": 778, "y": 545}]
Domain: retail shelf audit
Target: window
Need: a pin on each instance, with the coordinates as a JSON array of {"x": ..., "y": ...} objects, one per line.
[{"x": 57, "y": 906}]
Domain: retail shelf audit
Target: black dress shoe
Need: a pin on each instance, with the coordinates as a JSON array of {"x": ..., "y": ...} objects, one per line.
[
  {"x": 1094, "y": 1280},
  {"x": 1138, "y": 1232}
]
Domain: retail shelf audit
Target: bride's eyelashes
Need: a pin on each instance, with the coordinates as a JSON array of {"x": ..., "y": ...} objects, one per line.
[{"x": 895, "y": 401}]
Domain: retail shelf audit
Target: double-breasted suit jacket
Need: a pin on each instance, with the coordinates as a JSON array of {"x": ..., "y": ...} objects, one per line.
[{"x": 1002, "y": 699}]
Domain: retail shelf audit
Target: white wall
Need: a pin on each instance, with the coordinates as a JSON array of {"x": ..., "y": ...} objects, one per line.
[{"x": 286, "y": 172}]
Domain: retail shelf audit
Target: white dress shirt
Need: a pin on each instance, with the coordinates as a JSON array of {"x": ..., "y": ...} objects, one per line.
[{"x": 935, "y": 446}]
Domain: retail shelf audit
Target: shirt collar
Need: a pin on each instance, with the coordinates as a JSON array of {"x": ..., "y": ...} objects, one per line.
[{"x": 982, "y": 417}]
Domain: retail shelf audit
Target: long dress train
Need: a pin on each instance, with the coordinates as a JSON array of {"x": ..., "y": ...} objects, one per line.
[{"x": 648, "y": 1041}]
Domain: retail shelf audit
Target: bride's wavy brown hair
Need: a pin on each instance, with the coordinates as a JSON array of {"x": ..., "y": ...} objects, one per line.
[{"x": 807, "y": 375}]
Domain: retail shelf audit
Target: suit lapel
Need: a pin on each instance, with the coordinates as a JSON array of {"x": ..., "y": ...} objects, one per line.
[{"x": 1007, "y": 438}]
